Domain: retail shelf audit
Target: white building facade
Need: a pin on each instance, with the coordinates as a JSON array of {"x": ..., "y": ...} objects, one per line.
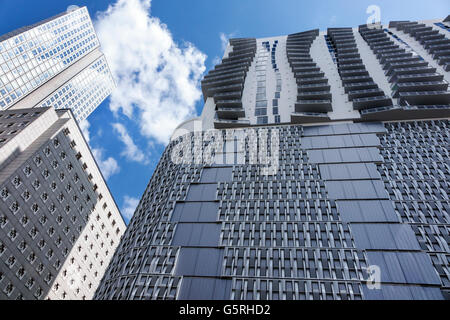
[{"x": 59, "y": 224}]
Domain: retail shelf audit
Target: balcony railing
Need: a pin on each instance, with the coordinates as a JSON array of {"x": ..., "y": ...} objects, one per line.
[
  {"x": 425, "y": 97},
  {"x": 230, "y": 123},
  {"x": 371, "y": 102},
  {"x": 313, "y": 106}
]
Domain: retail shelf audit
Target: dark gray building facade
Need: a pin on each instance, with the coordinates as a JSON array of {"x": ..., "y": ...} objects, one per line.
[{"x": 356, "y": 206}]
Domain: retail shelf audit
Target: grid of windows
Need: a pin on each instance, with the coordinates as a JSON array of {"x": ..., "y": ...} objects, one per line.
[
  {"x": 12, "y": 123},
  {"x": 261, "y": 100},
  {"x": 45, "y": 226},
  {"x": 85, "y": 91},
  {"x": 416, "y": 174},
  {"x": 31, "y": 58},
  {"x": 278, "y": 84},
  {"x": 262, "y": 229},
  {"x": 46, "y": 205}
]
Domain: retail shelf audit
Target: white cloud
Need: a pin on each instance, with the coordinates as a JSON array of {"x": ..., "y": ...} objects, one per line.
[
  {"x": 157, "y": 79},
  {"x": 84, "y": 126},
  {"x": 129, "y": 206},
  {"x": 108, "y": 166},
  {"x": 131, "y": 152},
  {"x": 224, "y": 38},
  {"x": 216, "y": 60}
]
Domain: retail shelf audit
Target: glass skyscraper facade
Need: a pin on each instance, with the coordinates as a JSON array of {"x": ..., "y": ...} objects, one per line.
[
  {"x": 319, "y": 169},
  {"x": 84, "y": 92},
  {"x": 62, "y": 52}
]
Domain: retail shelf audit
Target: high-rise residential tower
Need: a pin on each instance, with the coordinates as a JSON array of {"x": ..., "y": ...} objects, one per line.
[
  {"x": 319, "y": 169},
  {"x": 56, "y": 62}
]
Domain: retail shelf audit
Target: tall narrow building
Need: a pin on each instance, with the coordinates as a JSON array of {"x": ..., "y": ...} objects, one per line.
[
  {"x": 56, "y": 62},
  {"x": 319, "y": 169}
]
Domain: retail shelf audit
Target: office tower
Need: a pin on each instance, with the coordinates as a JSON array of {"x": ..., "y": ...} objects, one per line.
[
  {"x": 56, "y": 62},
  {"x": 59, "y": 224},
  {"x": 326, "y": 176}
]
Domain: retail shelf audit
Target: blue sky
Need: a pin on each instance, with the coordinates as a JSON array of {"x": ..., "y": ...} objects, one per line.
[{"x": 160, "y": 49}]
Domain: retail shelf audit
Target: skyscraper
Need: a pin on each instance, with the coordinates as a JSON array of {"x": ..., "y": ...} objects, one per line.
[
  {"x": 59, "y": 224},
  {"x": 318, "y": 170},
  {"x": 56, "y": 62}
]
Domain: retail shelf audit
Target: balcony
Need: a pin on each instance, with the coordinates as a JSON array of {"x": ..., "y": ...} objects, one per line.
[
  {"x": 360, "y": 86},
  {"x": 347, "y": 37},
  {"x": 312, "y": 80},
  {"x": 214, "y": 75},
  {"x": 303, "y": 57},
  {"x": 225, "y": 81},
  {"x": 237, "y": 103},
  {"x": 227, "y": 95},
  {"x": 356, "y": 94},
  {"x": 314, "y": 95},
  {"x": 229, "y": 88},
  {"x": 379, "y": 43},
  {"x": 419, "y": 77},
  {"x": 347, "y": 55},
  {"x": 309, "y": 63},
  {"x": 379, "y": 35},
  {"x": 441, "y": 53},
  {"x": 351, "y": 66},
  {"x": 407, "y": 64},
  {"x": 412, "y": 71},
  {"x": 228, "y": 63},
  {"x": 307, "y": 69},
  {"x": 324, "y": 86},
  {"x": 298, "y": 45},
  {"x": 364, "y": 78},
  {"x": 419, "y": 86},
  {"x": 340, "y": 52},
  {"x": 353, "y": 72},
  {"x": 405, "y": 112},
  {"x": 435, "y": 36},
  {"x": 226, "y": 67},
  {"x": 291, "y": 52},
  {"x": 425, "y": 97},
  {"x": 398, "y": 55},
  {"x": 422, "y": 34},
  {"x": 225, "y": 72},
  {"x": 301, "y": 60},
  {"x": 309, "y": 74},
  {"x": 384, "y": 49},
  {"x": 244, "y": 46},
  {"x": 371, "y": 102},
  {"x": 438, "y": 47},
  {"x": 230, "y": 113},
  {"x": 390, "y": 62},
  {"x": 430, "y": 43},
  {"x": 309, "y": 117},
  {"x": 417, "y": 29},
  {"x": 345, "y": 44},
  {"x": 230, "y": 123},
  {"x": 350, "y": 61},
  {"x": 313, "y": 106}
]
